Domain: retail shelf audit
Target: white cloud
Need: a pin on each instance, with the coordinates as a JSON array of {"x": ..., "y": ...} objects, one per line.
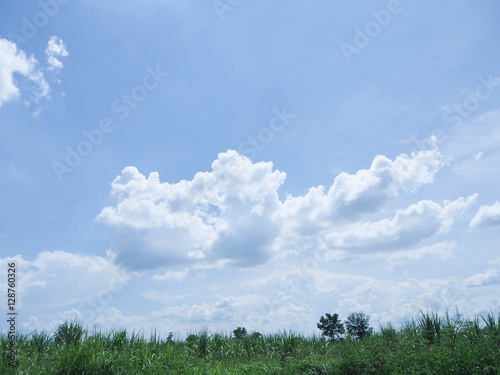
[
  {"x": 384, "y": 298},
  {"x": 490, "y": 277},
  {"x": 49, "y": 275},
  {"x": 353, "y": 196},
  {"x": 222, "y": 214},
  {"x": 233, "y": 213},
  {"x": 440, "y": 251},
  {"x": 408, "y": 227},
  {"x": 173, "y": 275},
  {"x": 55, "y": 48},
  {"x": 286, "y": 298},
  {"x": 487, "y": 216},
  {"x": 14, "y": 61}
]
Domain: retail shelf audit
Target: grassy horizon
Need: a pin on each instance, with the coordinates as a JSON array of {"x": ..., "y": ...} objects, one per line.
[{"x": 429, "y": 344}]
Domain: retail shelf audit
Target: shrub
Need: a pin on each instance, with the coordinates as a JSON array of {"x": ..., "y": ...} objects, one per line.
[
  {"x": 429, "y": 326},
  {"x": 69, "y": 334}
]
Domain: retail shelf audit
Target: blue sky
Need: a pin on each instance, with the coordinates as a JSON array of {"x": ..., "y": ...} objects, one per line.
[{"x": 174, "y": 165}]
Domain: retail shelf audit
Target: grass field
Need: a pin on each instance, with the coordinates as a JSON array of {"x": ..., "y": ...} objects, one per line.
[{"x": 428, "y": 345}]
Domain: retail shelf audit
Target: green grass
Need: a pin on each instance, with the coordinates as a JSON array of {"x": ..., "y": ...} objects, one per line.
[{"x": 427, "y": 345}]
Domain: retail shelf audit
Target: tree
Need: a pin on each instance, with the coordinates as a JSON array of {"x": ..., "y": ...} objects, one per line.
[
  {"x": 240, "y": 332},
  {"x": 256, "y": 335},
  {"x": 331, "y": 326},
  {"x": 170, "y": 337},
  {"x": 357, "y": 325}
]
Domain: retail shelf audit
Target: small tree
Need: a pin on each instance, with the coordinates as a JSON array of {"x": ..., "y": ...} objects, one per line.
[
  {"x": 331, "y": 326},
  {"x": 240, "y": 332},
  {"x": 170, "y": 337},
  {"x": 256, "y": 335},
  {"x": 357, "y": 325}
]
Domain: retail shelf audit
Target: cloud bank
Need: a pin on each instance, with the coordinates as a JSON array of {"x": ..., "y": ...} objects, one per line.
[{"x": 232, "y": 215}]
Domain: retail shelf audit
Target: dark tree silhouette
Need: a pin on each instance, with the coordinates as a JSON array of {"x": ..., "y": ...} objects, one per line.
[
  {"x": 240, "y": 332},
  {"x": 357, "y": 325},
  {"x": 331, "y": 326}
]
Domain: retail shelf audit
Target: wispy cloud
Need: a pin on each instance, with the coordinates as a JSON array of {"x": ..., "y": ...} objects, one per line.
[
  {"x": 55, "y": 48},
  {"x": 14, "y": 61}
]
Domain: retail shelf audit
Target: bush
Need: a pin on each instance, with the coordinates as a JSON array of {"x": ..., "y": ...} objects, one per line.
[{"x": 69, "y": 333}]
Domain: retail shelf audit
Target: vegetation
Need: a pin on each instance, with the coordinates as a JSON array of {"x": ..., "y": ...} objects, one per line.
[
  {"x": 427, "y": 345},
  {"x": 331, "y": 326},
  {"x": 240, "y": 332},
  {"x": 358, "y": 326}
]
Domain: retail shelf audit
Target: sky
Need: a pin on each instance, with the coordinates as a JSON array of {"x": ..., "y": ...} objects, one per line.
[{"x": 175, "y": 165}]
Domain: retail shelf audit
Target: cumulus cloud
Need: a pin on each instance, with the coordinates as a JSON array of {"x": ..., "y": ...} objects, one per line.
[
  {"x": 286, "y": 298},
  {"x": 12, "y": 62},
  {"x": 48, "y": 275},
  {"x": 353, "y": 196},
  {"x": 408, "y": 226},
  {"x": 223, "y": 309},
  {"x": 440, "y": 251},
  {"x": 233, "y": 214},
  {"x": 487, "y": 216},
  {"x": 252, "y": 311},
  {"x": 222, "y": 214},
  {"x": 490, "y": 277},
  {"x": 385, "y": 299},
  {"x": 173, "y": 275},
  {"x": 55, "y": 48}
]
